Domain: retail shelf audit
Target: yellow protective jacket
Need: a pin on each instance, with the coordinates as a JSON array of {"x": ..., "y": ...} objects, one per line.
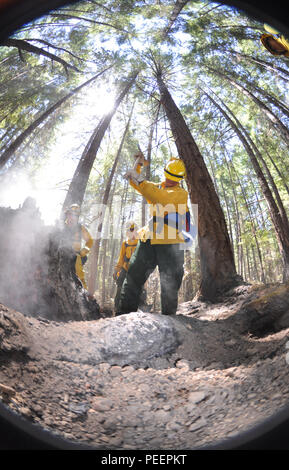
[
  {"x": 278, "y": 37},
  {"x": 81, "y": 233},
  {"x": 126, "y": 251},
  {"x": 162, "y": 200}
]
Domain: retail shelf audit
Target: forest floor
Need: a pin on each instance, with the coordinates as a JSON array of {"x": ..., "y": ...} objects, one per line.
[{"x": 215, "y": 384}]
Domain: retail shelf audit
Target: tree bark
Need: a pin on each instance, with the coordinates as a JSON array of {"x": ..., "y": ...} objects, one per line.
[
  {"x": 179, "y": 5},
  {"x": 281, "y": 176},
  {"x": 6, "y": 155},
  {"x": 263, "y": 63},
  {"x": 284, "y": 131},
  {"x": 25, "y": 46},
  {"x": 218, "y": 272},
  {"x": 80, "y": 178},
  {"x": 148, "y": 167},
  {"x": 95, "y": 249},
  {"x": 281, "y": 231}
]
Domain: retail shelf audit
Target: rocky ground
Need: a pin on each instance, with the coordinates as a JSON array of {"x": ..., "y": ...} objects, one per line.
[{"x": 143, "y": 380}]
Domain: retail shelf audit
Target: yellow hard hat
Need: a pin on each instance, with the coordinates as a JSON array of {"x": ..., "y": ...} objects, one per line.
[
  {"x": 74, "y": 209},
  {"x": 175, "y": 169},
  {"x": 131, "y": 226},
  {"x": 264, "y": 40},
  {"x": 270, "y": 29}
]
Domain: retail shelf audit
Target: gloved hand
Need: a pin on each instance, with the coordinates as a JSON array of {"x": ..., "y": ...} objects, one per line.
[
  {"x": 134, "y": 176},
  {"x": 115, "y": 275},
  {"x": 83, "y": 252}
]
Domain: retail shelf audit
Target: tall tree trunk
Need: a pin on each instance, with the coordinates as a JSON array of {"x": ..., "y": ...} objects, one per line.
[
  {"x": 147, "y": 172},
  {"x": 239, "y": 217},
  {"x": 148, "y": 157},
  {"x": 263, "y": 63},
  {"x": 281, "y": 175},
  {"x": 95, "y": 248},
  {"x": 104, "y": 274},
  {"x": 80, "y": 178},
  {"x": 224, "y": 196},
  {"x": 257, "y": 278},
  {"x": 179, "y": 5},
  {"x": 111, "y": 286},
  {"x": 248, "y": 263},
  {"x": 6, "y": 155},
  {"x": 281, "y": 232},
  {"x": 236, "y": 210},
  {"x": 274, "y": 101},
  {"x": 284, "y": 131},
  {"x": 22, "y": 45},
  {"x": 277, "y": 211},
  {"x": 217, "y": 261}
]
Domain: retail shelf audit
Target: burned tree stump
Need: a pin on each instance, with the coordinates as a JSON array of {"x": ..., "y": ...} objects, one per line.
[{"x": 37, "y": 276}]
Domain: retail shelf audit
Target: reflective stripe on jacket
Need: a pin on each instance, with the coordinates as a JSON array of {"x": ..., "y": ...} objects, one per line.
[{"x": 162, "y": 201}]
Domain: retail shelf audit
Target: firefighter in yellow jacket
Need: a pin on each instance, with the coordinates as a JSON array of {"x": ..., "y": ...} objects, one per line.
[
  {"x": 275, "y": 42},
  {"x": 127, "y": 248},
  {"x": 75, "y": 234},
  {"x": 159, "y": 242}
]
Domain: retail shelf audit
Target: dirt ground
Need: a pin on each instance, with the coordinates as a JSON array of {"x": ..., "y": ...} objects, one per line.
[{"x": 215, "y": 384}]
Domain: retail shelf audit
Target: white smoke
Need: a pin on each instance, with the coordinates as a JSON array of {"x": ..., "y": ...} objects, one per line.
[{"x": 45, "y": 187}]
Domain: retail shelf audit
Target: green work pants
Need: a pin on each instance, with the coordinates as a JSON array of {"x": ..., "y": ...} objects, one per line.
[
  {"x": 119, "y": 283},
  {"x": 170, "y": 261}
]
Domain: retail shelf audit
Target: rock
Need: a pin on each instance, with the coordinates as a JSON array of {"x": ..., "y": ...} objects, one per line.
[
  {"x": 116, "y": 441},
  {"x": 197, "y": 397},
  {"x": 198, "y": 424},
  {"x": 91, "y": 373},
  {"x": 173, "y": 426},
  {"x": 136, "y": 339},
  {"x": 231, "y": 342},
  {"x": 167, "y": 407},
  {"x": 104, "y": 367},
  {"x": 14, "y": 332},
  {"x": 66, "y": 398},
  {"x": 24, "y": 410},
  {"x": 79, "y": 408},
  {"x": 182, "y": 364},
  {"x": 190, "y": 408},
  {"x": 115, "y": 371},
  {"x": 110, "y": 424},
  {"x": 101, "y": 404},
  {"x": 127, "y": 370},
  {"x": 5, "y": 390},
  {"x": 162, "y": 416}
]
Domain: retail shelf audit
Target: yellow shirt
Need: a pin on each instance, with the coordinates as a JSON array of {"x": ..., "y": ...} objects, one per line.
[
  {"x": 162, "y": 200},
  {"x": 82, "y": 234},
  {"x": 126, "y": 251}
]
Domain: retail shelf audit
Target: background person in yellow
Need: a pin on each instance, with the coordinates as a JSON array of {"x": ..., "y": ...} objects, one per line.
[
  {"x": 75, "y": 233},
  {"x": 275, "y": 42},
  {"x": 127, "y": 248},
  {"x": 159, "y": 244}
]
